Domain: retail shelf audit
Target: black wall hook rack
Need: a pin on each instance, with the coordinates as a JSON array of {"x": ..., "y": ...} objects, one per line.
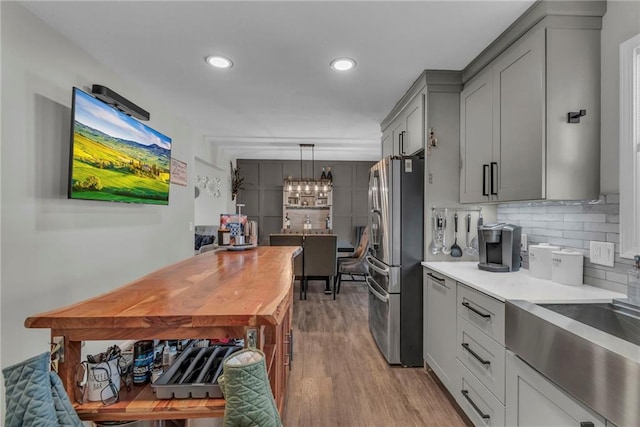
[{"x": 574, "y": 117}]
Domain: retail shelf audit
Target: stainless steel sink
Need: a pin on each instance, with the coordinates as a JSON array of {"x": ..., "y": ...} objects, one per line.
[
  {"x": 592, "y": 351},
  {"x": 617, "y": 318}
]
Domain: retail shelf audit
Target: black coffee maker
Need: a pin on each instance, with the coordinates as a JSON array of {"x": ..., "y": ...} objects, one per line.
[{"x": 499, "y": 246}]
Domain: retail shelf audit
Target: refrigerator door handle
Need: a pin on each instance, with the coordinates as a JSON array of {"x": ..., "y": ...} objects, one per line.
[
  {"x": 374, "y": 291},
  {"x": 372, "y": 263}
]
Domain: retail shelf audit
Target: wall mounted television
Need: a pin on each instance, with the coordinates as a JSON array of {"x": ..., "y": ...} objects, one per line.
[{"x": 114, "y": 157}]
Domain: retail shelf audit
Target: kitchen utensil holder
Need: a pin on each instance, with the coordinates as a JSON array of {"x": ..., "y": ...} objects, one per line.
[{"x": 173, "y": 383}]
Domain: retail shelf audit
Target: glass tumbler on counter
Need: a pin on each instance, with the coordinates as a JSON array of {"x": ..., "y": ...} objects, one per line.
[{"x": 633, "y": 283}]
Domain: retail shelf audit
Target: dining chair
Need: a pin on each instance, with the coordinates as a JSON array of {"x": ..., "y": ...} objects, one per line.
[
  {"x": 354, "y": 265},
  {"x": 320, "y": 254},
  {"x": 298, "y": 261}
]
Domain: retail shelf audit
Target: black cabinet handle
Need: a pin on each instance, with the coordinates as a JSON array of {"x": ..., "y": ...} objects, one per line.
[
  {"x": 485, "y": 170},
  {"x": 401, "y": 138},
  {"x": 474, "y": 354},
  {"x": 493, "y": 191},
  {"x": 476, "y": 311},
  {"x": 465, "y": 393},
  {"x": 434, "y": 277}
]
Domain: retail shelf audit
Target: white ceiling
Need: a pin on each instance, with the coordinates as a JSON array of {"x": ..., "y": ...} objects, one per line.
[{"x": 281, "y": 91}]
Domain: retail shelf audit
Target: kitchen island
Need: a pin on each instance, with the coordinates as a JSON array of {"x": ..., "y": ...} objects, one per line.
[{"x": 222, "y": 294}]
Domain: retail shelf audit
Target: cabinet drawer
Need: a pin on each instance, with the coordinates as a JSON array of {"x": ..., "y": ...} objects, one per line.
[
  {"x": 480, "y": 405},
  {"x": 484, "y": 312},
  {"x": 483, "y": 356}
]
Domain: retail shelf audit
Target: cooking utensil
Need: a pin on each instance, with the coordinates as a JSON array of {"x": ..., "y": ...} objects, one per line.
[
  {"x": 474, "y": 242},
  {"x": 456, "y": 251},
  {"x": 433, "y": 246},
  {"x": 445, "y": 250},
  {"x": 469, "y": 250}
]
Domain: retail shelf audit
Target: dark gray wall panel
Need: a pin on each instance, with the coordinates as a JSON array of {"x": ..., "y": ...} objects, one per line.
[
  {"x": 251, "y": 174},
  {"x": 359, "y": 202},
  {"x": 271, "y": 174},
  {"x": 342, "y": 227},
  {"x": 290, "y": 169},
  {"x": 270, "y": 225},
  {"x": 362, "y": 174},
  {"x": 271, "y": 202},
  {"x": 263, "y": 181},
  {"x": 251, "y": 200},
  {"x": 342, "y": 174},
  {"x": 342, "y": 201}
]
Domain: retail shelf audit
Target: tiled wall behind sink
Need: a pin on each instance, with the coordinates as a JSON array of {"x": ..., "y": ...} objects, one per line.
[{"x": 572, "y": 225}]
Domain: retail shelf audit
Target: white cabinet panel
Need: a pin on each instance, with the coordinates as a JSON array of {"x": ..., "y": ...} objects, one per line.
[
  {"x": 533, "y": 401},
  {"x": 440, "y": 325}
]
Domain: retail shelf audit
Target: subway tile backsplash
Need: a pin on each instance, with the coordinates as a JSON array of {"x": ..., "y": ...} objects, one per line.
[{"x": 572, "y": 225}]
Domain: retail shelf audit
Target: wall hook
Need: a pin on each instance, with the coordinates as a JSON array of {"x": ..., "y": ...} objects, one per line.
[{"x": 574, "y": 117}]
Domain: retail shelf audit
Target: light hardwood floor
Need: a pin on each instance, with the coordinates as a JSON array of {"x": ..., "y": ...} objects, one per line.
[{"x": 339, "y": 377}]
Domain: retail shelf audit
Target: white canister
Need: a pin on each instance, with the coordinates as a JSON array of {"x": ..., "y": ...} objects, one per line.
[
  {"x": 567, "y": 267},
  {"x": 540, "y": 260}
]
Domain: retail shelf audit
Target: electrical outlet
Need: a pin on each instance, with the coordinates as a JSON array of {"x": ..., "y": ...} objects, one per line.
[
  {"x": 523, "y": 242},
  {"x": 602, "y": 253}
]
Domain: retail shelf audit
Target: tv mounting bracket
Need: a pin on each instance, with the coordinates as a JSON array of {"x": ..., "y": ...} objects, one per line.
[{"x": 110, "y": 97}]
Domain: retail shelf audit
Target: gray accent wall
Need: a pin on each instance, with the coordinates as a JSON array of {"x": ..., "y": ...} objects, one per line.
[{"x": 262, "y": 193}]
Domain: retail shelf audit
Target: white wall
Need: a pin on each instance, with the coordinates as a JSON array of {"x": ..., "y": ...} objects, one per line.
[
  {"x": 210, "y": 162},
  {"x": 620, "y": 23},
  {"x": 57, "y": 251}
]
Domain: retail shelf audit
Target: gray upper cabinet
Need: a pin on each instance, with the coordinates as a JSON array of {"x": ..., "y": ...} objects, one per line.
[
  {"x": 476, "y": 138},
  {"x": 404, "y": 130},
  {"x": 520, "y": 101},
  {"x": 413, "y": 139},
  {"x": 518, "y": 117},
  {"x": 387, "y": 143},
  {"x": 397, "y": 133}
]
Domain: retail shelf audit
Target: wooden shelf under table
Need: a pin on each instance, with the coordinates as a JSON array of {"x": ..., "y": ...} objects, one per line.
[{"x": 140, "y": 403}]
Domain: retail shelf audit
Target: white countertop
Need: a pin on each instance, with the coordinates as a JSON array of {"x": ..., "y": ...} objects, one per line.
[{"x": 519, "y": 285}]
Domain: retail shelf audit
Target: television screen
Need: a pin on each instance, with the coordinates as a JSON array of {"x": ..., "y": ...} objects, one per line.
[{"x": 114, "y": 157}]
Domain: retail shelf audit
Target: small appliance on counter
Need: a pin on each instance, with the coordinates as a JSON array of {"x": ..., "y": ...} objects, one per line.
[
  {"x": 499, "y": 246},
  {"x": 540, "y": 260},
  {"x": 566, "y": 267}
]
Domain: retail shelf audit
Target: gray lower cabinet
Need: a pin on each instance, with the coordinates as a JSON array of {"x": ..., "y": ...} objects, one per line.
[
  {"x": 464, "y": 346},
  {"x": 440, "y": 326},
  {"x": 532, "y": 400}
]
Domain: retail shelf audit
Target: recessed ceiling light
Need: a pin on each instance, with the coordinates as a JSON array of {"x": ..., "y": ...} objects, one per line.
[
  {"x": 343, "y": 64},
  {"x": 218, "y": 61}
]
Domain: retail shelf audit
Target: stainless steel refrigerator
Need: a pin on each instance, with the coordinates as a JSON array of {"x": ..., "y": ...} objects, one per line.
[{"x": 396, "y": 213}]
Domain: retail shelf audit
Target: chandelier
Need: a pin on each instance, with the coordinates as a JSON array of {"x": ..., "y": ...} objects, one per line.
[{"x": 308, "y": 185}]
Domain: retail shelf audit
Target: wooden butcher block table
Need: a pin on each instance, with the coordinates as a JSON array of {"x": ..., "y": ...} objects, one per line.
[{"x": 221, "y": 294}]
